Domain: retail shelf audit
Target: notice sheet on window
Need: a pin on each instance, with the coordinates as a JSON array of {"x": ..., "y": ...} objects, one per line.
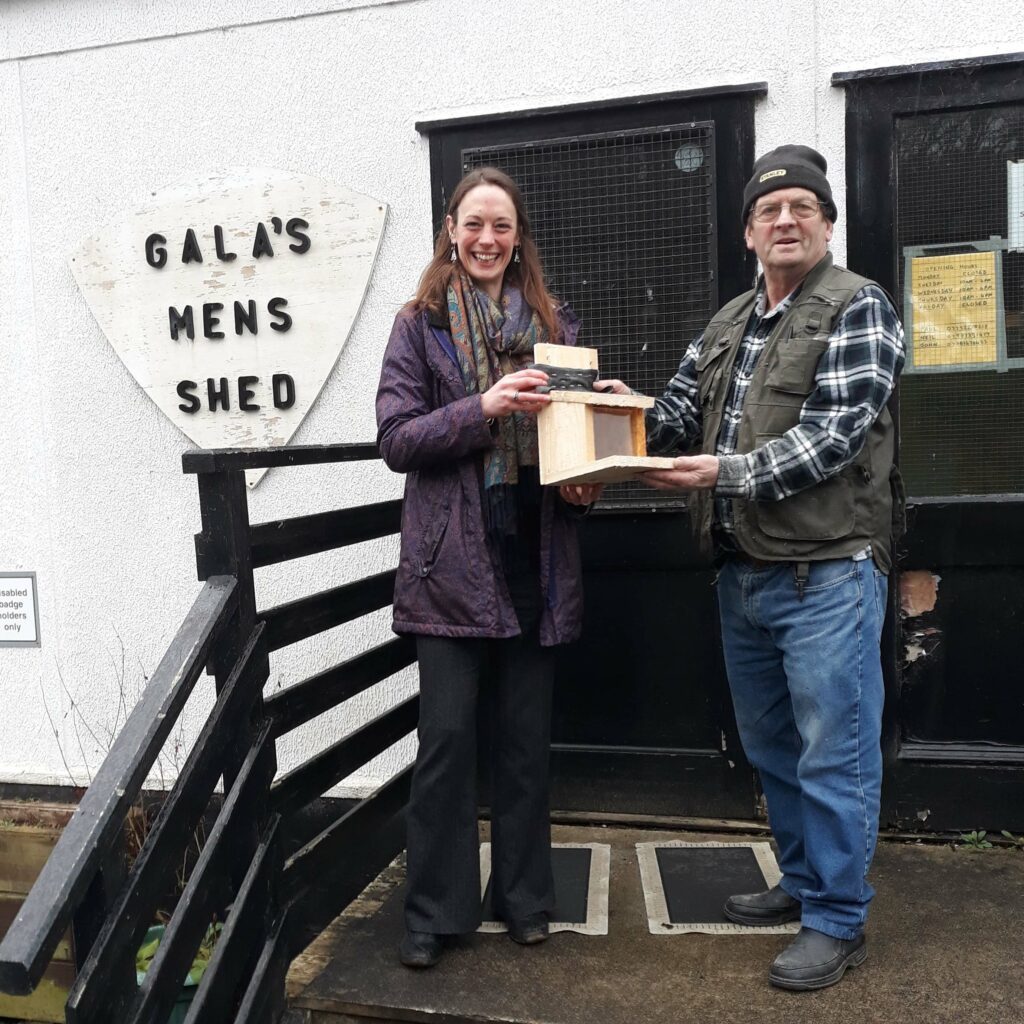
[{"x": 955, "y": 309}]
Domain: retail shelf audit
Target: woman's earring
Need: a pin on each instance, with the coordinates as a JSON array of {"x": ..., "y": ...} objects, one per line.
[
  {"x": 515, "y": 255},
  {"x": 451, "y": 256}
]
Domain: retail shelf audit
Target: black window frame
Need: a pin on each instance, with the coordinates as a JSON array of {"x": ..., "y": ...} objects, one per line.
[
  {"x": 875, "y": 98},
  {"x": 731, "y": 107}
]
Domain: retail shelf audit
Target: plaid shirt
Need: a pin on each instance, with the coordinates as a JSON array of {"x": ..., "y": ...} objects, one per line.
[{"x": 853, "y": 381}]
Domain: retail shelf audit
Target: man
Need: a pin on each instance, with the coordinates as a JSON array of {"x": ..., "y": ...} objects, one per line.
[{"x": 785, "y": 393}]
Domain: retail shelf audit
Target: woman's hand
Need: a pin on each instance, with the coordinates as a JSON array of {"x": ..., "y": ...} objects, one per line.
[
  {"x": 580, "y": 494},
  {"x": 514, "y": 393}
]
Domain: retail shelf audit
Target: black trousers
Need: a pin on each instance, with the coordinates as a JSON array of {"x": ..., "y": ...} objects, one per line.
[{"x": 516, "y": 675}]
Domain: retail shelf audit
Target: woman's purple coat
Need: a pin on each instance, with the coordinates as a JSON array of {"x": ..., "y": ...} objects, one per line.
[{"x": 449, "y": 583}]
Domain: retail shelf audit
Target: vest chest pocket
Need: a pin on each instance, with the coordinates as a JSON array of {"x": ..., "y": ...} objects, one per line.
[
  {"x": 793, "y": 364},
  {"x": 710, "y": 365}
]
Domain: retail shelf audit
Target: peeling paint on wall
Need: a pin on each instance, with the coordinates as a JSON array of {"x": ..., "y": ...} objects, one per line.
[
  {"x": 919, "y": 593},
  {"x": 912, "y": 652},
  {"x": 761, "y": 808},
  {"x": 919, "y": 644},
  {"x": 919, "y": 590}
]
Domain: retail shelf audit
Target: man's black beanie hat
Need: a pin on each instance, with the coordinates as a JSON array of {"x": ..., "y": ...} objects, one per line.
[{"x": 790, "y": 167}]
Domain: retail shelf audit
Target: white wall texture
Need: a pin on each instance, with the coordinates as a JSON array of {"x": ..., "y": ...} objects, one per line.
[{"x": 101, "y": 102}]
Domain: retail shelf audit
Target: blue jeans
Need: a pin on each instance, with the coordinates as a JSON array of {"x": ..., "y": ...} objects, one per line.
[{"x": 806, "y": 682}]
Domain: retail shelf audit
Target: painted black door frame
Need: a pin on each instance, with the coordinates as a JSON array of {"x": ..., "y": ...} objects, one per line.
[
  {"x": 949, "y": 784},
  {"x": 641, "y": 567}
]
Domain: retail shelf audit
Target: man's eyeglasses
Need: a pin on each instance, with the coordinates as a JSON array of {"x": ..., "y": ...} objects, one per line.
[{"x": 802, "y": 209}]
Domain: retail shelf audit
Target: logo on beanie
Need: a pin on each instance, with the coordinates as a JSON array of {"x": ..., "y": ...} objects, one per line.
[{"x": 780, "y": 173}]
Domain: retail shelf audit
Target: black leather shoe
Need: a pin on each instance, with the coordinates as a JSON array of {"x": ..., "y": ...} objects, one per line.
[
  {"x": 775, "y": 906},
  {"x": 421, "y": 949},
  {"x": 815, "y": 960},
  {"x": 528, "y": 931}
]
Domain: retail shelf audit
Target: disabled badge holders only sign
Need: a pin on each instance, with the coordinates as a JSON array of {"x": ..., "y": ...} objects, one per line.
[
  {"x": 229, "y": 300},
  {"x": 19, "y": 610}
]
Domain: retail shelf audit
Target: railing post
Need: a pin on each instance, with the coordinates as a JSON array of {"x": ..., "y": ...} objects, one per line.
[
  {"x": 120, "y": 986},
  {"x": 224, "y": 547}
]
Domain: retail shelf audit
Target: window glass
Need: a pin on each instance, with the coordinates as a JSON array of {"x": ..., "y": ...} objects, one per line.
[{"x": 625, "y": 225}]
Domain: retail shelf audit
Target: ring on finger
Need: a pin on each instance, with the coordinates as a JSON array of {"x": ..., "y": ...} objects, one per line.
[{"x": 515, "y": 396}]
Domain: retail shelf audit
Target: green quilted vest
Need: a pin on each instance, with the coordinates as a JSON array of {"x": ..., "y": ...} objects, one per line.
[{"x": 843, "y": 514}]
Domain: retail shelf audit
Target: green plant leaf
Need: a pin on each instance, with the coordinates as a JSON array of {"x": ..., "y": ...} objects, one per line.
[
  {"x": 975, "y": 840},
  {"x": 145, "y": 955}
]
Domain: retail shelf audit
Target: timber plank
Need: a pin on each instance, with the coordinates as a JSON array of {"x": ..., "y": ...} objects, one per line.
[
  {"x": 24, "y": 850},
  {"x": 611, "y": 469}
]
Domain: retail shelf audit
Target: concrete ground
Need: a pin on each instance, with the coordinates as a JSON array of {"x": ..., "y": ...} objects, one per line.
[{"x": 945, "y": 944}]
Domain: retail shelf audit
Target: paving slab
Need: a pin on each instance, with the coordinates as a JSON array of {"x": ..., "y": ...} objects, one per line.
[{"x": 945, "y": 944}]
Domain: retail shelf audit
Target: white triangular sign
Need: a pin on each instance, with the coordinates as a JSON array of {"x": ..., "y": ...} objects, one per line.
[{"x": 229, "y": 300}]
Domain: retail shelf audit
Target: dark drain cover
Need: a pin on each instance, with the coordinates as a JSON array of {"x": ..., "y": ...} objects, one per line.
[
  {"x": 697, "y": 880},
  {"x": 571, "y": 867}
]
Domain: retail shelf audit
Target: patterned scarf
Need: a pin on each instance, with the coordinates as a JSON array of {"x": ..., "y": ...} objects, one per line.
[{"x": 493, "y": 339}]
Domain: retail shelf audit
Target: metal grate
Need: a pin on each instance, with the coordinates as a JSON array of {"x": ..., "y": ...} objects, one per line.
[
  {"x": 625, "y": 225},
  {"x": 959, "y": 187}
]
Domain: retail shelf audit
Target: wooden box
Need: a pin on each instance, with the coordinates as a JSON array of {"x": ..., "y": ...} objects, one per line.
[{"x": 587, "y": 437}]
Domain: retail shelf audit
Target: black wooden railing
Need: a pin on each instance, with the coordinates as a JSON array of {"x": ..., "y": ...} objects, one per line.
[{"x": 279, "y": 892}]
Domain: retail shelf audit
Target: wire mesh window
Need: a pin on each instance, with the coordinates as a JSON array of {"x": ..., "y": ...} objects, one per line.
[
  {"x": 960, "y": 236},
  {"x": 625, "y": 225}
]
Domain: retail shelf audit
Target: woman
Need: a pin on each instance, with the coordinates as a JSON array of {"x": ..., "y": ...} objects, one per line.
[{"x": 488, "y": 577}]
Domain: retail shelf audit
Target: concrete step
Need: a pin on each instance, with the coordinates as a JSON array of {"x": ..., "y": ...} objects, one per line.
[{"x": 944, "y": 944}]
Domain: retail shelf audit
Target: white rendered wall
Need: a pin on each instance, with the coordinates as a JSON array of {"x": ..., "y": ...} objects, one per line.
[{"x": 102, "y": 102}]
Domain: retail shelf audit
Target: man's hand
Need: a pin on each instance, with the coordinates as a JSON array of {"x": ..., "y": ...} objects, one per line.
[
  {"x": 689, "y": 473},
  {"x": 580, "y": 494},
  {"x": 612, "y": 387}
]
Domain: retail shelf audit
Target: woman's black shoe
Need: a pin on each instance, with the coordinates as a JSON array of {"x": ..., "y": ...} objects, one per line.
[
  {"x": 528, "y": 931},
  {"x": 421, "y": 949}
]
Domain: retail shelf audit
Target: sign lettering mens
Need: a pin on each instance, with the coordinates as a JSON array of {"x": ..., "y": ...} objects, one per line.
[{"x": 229, "y": 301}]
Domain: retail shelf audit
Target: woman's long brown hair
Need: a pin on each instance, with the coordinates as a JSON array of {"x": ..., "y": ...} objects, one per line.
[{"x": 528, "y": 275}]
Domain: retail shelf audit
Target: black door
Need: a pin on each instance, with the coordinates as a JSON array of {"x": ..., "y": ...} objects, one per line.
[
  {"x": 636, "y": 209},
  {"x": 935, "y": 179}
]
